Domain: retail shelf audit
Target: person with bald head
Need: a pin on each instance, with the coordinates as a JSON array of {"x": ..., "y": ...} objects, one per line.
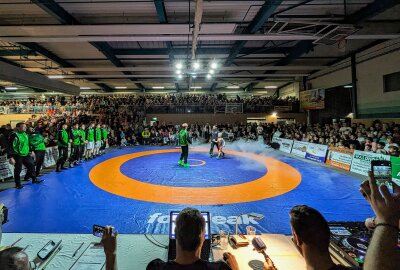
[{"x": 14, "y": 258}]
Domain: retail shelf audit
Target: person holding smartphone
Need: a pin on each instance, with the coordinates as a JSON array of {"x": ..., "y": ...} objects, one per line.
[{"x": 383, "y": 251}]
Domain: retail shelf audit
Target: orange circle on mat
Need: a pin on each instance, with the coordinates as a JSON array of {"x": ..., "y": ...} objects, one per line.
[{"x": 279, "y": 179}]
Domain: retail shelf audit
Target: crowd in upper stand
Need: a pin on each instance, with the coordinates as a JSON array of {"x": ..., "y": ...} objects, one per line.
[{"x": 151, "y": 99}]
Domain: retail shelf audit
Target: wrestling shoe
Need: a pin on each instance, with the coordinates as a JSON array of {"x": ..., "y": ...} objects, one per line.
[
  {"x": 211, "y": 155},
  {"x": 185, "y": 165},
  {"x": 180, "y": 162}
]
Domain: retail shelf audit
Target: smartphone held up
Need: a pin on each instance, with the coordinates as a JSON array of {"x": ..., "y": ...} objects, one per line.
[{"x": 382, "y": 171}]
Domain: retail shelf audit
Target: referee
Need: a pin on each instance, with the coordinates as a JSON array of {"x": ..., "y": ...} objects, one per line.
[
  {"x": 184, "y": 141},
  {"x": 19, "y": 154}
]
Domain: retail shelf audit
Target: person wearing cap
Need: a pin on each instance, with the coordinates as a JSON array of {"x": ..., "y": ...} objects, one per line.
[
  {"x": 37, "y": 145},
  {"x": 184, "y": 141}
]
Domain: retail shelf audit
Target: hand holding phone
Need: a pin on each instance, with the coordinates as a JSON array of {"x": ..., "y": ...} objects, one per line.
[
  {"x": 382, "y": 171},
  {"x": 98, "y": 230}
]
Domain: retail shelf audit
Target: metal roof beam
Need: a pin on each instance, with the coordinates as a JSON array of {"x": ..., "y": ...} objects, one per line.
[
  {"x": 63, "y": 63},
  {"x": 183, "y": 51},
  {"x": 371, "y": 10},
  {"x": 12, "y": 73},
  {"x": 261, "y": 17},
  {"x": 55, "y": 10},
  {"x": 162, "y": 16},
  {"x": 16, "y": 52},
  {"x": 106, "y": 49}
]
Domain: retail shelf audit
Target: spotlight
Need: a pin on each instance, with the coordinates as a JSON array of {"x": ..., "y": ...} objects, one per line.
[
  {"x": 211, "y": 71},
  {"x": 179, "y": 65},
  {"x": 196, "y": 65},
  {"x": 274, "y": 114},
  {"x": 178, "y": 72},
  {"x": 214, "y": 65},
  {"x": 208, "y": 76},
  {"x": 180, "y": 76},
  {"x": 194, "y": 76}
]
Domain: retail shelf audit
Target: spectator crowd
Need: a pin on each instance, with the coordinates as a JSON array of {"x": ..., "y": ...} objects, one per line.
[
  {"x": 381, "y": 138},
  {"x": 124, "y": 117}
]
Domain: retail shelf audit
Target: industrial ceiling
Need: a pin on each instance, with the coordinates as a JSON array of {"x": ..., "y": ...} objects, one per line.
[{"x": 104, "y": 45}]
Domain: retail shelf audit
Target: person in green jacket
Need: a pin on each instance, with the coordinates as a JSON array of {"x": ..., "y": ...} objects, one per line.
[
  {"x": 62, "y": 138},
  {"x": 104, "y": 135},
  {"x": 97, "y": 140},
  {"x": 19, "y": 154},
  {"x": 36, "y": 143},
  {"x": 75, "y": 140},
  {"x": 184, "y": 141},
  {"x": 82, "y": 151},
  {"x": 90, "y": 139}
]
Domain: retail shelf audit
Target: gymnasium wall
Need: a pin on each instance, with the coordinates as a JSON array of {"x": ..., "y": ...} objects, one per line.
[
  {"x": 372, "y": 64},
  {"x": 222, "y": 118}
]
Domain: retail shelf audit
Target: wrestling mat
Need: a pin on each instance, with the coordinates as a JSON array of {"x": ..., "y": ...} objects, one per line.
[{"x": 134, "y": 189}]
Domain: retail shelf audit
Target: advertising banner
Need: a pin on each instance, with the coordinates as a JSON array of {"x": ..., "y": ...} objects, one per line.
[
  {"x": 5, "y": 168},
  {"x": 286, "y": 145},
  {"x": 299, "y": 149},
  {"x": 340, "y": 157},
  {"x": 312, "y": 99},
  {"x": 395, "y": 169},
  {"x": 48, "y": 158},
  {"x": 361, "y": 163},
  {"x": 316, "y": 152}
]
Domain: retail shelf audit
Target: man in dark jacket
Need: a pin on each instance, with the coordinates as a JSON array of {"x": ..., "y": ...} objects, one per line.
[
  {"x": 62, "y": 139},
  {"x": 36, "y": 143},
  {"x": 19, "y": 154}
]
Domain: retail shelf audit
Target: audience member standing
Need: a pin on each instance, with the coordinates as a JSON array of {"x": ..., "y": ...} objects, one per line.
[
  {"x": 62, "y": 139},
  {"x": 36, "y": 142},
  {"x": 20, "y": 154}
]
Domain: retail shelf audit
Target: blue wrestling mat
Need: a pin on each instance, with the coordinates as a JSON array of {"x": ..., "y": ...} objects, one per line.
[{"x": 134, "y": 189}]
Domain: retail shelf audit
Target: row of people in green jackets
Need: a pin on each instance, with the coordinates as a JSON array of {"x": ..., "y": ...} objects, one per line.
[{"x": 85, "y": 143}]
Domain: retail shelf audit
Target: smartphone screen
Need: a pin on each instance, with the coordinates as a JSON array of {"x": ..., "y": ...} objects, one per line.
[
  {"x": 98, "y": 230},
  {"x": 383, "y": 174},
  {"x": 45, "y": 250}
]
